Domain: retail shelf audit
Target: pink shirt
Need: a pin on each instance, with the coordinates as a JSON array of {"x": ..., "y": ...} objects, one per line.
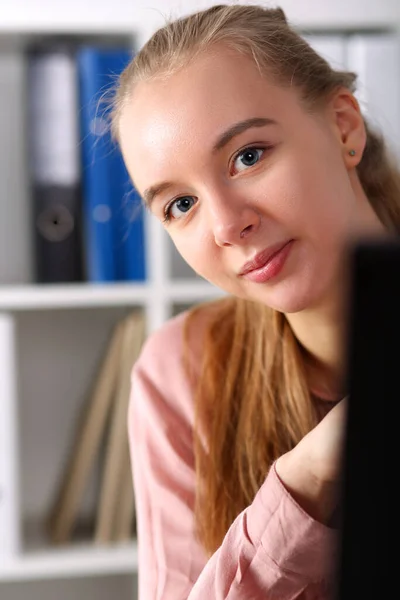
[{"x": 273, "y": 550}]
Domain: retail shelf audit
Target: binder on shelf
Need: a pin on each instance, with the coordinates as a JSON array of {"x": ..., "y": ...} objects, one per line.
[
  {"x": 130, "y": 236},
  {"x": 104, "y": 421},
  {"x": 112, "y": 211},
  {"x": 116, "y": 504},
  {"x": 10, "y": 518},
  {"x": 64, "y": 512},
  {"x": 125, "y": 518},
  {"x": 54, "y": 163}
]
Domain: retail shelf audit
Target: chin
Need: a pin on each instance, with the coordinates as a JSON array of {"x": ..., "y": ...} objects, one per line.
[{"x": 288, "y": 299}]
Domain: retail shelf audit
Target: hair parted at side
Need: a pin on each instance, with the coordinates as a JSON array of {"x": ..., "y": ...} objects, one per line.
[{"x": 252, "y": 402}]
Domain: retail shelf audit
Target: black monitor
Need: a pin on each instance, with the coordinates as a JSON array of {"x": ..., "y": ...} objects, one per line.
[{"x": 369, "y": 557}]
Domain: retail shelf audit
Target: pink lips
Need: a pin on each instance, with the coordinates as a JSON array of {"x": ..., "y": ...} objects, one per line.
[{"x": 268, "y": 263}]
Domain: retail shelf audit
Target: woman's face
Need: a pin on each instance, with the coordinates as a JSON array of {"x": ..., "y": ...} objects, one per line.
[{"x": 234, "y": 166}]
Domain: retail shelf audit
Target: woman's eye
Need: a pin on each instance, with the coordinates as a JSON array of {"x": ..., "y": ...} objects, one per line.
[
  {"x": 177, "y": 208},
  {"x": 247, "y": 158}
]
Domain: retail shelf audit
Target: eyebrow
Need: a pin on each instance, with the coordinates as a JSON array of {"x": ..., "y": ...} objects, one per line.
[{"x": 150, "y": 193}]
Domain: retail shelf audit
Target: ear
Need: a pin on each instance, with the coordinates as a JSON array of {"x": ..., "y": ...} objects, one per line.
[{"x": 349, "y": 126}]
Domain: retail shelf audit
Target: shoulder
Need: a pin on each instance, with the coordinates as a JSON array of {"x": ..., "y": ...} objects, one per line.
[
  {"x": 179, "y": 339},
  {"x": 170, "y": 360},
  {"x": 164, "y": 344}
]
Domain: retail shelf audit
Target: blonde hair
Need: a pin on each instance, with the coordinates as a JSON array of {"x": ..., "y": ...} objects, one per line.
[{"x": 252, "y": 362}]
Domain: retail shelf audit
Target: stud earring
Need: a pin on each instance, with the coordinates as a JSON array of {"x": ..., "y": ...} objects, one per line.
[{"x": 352, "y": 152}]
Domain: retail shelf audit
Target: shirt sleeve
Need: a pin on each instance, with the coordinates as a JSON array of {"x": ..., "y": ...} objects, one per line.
[{"x": 273, "y": 550}]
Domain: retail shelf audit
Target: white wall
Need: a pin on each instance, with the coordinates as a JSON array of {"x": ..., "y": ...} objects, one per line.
[
  {"x": 45, "y": 15},
  {"x": 308, "y": 13}
]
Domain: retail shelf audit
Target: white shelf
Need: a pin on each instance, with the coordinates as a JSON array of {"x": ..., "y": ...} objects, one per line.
[
  {"x": 79, "y": 561},
  {"x": 55, "y": 296},
  {"x": 192, "y": 291},
  {"x": 48, "y": 296}
]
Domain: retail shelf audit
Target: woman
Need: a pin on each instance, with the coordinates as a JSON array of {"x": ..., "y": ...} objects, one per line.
[{"x": 254, "y": 154}]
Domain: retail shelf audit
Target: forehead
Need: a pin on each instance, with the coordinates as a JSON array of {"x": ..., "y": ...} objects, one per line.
[{"x": 175, "y": 121}]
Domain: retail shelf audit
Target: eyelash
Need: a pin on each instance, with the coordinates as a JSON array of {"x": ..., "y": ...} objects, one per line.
[{"x": 167, "y": 209}]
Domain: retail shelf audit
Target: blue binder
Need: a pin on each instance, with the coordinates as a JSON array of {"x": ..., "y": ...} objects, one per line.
[{"x": 113, "y": 215}]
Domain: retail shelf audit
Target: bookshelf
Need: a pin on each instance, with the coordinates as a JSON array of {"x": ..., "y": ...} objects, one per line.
[
  {"x": 61, "y": 329},
  {"x": 60, "y": 332},
  {"x": 80, "y": 561}
]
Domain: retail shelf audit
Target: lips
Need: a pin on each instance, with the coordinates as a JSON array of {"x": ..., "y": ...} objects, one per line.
[{"x": 263, "y": 257}]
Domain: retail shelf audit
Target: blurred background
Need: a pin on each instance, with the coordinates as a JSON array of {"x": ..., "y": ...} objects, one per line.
[{"x": 85, "y": 275}]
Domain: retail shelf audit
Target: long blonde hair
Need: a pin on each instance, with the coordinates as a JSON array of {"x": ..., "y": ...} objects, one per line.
[{"x": 252, "y": 403}]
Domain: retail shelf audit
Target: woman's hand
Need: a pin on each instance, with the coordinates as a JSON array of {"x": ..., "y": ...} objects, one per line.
[
  {"x": 312, "y": 470},
  {"x": 322, "y": 447}
]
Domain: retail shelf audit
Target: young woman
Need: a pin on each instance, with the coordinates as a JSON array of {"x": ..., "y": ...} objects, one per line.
[{"x": 254, "y": 154}]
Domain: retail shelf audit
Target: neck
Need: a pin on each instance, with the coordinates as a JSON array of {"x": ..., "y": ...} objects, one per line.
[
  {"x": 320, "y": 332},
  {"x": 321, "y": 329}
]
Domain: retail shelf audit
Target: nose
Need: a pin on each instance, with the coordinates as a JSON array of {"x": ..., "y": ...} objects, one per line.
[{"x": 233, "y": 219}]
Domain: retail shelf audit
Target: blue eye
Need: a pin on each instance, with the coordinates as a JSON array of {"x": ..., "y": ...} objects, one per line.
[
  {"x": 182, "y": 206},
  {"x": 248, "y": 158}
]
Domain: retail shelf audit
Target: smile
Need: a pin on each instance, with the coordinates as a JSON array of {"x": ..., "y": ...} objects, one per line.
[{"x": 267, "y": 264}]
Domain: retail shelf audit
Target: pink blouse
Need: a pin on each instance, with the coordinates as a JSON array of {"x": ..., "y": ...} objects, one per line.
[{"x": 273, "y": 550}]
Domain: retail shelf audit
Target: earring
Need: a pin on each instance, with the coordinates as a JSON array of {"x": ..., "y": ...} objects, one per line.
[{"x": 352, "y": 152}]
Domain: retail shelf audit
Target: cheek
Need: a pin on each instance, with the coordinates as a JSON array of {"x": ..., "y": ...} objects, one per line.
[
  {"x": 197, "y": 249},
  {"x": 285, "y": 192},
  {"x": 191, "y": 250},
  {"x": 311, "y": 194}
]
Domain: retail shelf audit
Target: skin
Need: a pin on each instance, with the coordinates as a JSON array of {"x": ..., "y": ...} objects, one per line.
[{"x": 301, "y": 184}]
